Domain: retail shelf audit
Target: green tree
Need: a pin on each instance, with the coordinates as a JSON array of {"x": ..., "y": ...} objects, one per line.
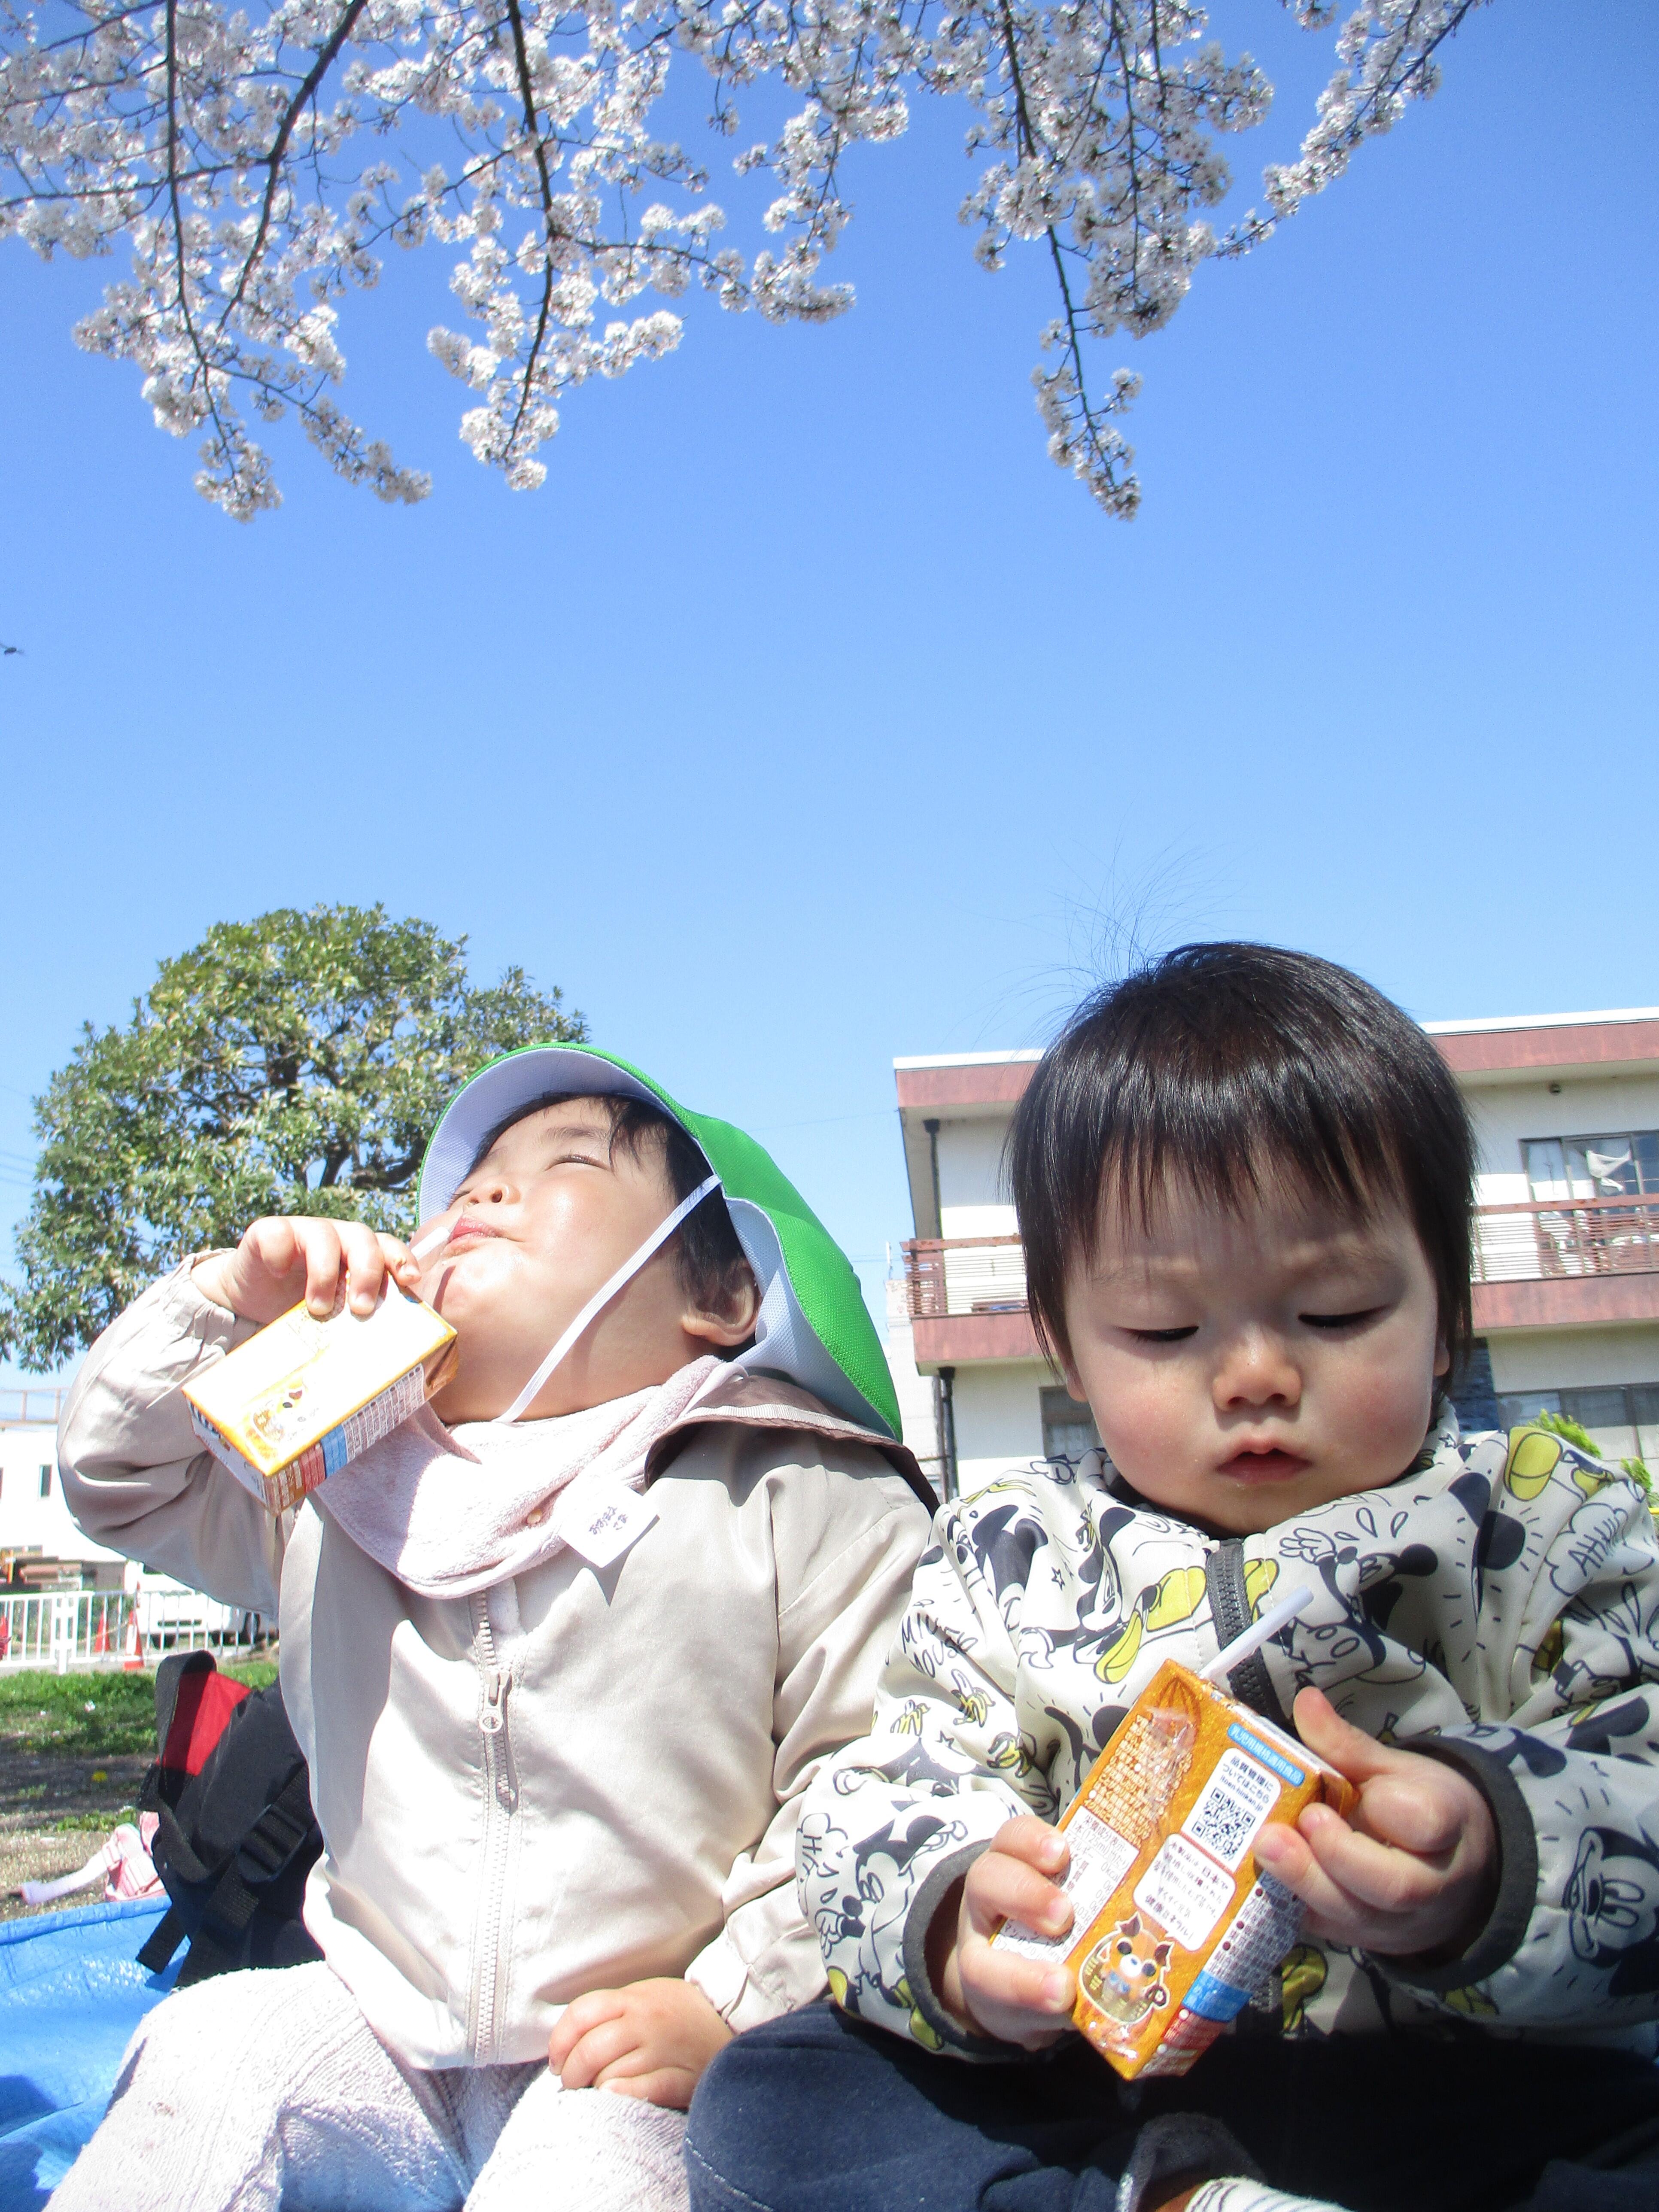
[{"x": 293, "y": 1063}]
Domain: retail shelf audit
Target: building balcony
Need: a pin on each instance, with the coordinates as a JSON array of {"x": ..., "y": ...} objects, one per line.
[
  {"x": 966, "y": 1297},
  {"x": 1566, "y": 1263},
  {"x": 1551, "y": 1264}
]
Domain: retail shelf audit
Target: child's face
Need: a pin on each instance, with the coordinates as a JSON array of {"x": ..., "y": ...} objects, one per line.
[
  {"x": 1245, "y": 1367},
  {"x": 545, "y": 1219}
]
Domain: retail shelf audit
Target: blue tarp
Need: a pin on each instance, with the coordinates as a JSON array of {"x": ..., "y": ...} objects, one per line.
[{"x": 71, "y": 1993}]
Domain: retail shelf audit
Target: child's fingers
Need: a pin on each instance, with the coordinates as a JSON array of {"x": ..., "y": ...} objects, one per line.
[
  {"x": 1034, "y": 1841},
  {"x": 272, "y": 1246},
  {"x": 317, "y": 1246},
  {"x": 575, "y": 2022},
  {"x": 1427, "y": 1813},
  {"x": 669, "y": 2086},
  {"x": 1372, "y": 1873},
  {"x": 999, "y": 1887},
  {"x": 1016, "y": 2000},
  {"x": 641, "y": 2056},
  {"x": 602, "y": 2047},
  {"x": 365, "y": 1265},
  {"x": 1349, "y": 1749},
  {"x": 1360, "y": 1894},
  {"x": 400, "y": 1264},
  {"x": 1285, "y": 1853}
]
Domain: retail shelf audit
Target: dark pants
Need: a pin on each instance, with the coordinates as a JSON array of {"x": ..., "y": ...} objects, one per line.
[{"x": 817, "y": 2113}]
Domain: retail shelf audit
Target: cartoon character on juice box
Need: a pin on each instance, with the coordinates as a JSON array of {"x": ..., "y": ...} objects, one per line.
[
  {"x": 279, "y": 1418},
  {"x": 1123, "y": 1975}
]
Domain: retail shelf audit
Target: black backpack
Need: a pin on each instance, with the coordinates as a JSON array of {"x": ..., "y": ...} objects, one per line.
[{"x": 236, "y": 1835}]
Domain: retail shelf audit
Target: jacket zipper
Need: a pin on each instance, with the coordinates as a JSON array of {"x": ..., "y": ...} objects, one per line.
[
  {"x": 499, "y": 1798},
  {"x": 1230, "y": 1613}
]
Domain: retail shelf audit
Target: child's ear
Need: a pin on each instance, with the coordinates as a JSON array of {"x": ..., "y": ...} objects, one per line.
[
  {"x": 1442, "y": 1358},
  {"x": 730, "y": 1322}
]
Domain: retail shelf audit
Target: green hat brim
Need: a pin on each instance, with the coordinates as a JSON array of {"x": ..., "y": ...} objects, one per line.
[{"x": 814, "y": 1326}]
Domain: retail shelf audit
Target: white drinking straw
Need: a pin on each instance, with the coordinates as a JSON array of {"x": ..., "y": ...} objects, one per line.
[
  {"x": 1231, "y": 1655},
  {"x": 431, "y": 1240}
]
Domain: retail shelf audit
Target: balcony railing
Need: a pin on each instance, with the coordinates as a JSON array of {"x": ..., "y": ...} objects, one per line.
[
  {"x": 1545, "y": 1239},
  {"x": 1540, "y": 1241},
  {"x": 964, "y": 1275}
]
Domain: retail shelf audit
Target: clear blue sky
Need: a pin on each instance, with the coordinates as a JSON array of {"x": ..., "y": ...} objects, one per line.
[{"x": 808, "y": 716}]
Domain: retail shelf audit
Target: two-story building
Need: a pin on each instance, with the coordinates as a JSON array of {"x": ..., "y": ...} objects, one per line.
[{"x": 1566, "y": 1275}]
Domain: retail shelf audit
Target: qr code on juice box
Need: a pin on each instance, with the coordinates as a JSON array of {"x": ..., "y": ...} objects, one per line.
[{"x": 1231, "y": 1807}]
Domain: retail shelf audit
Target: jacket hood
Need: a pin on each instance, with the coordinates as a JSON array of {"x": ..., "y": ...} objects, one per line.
[{"x": 813, "y": 1326}]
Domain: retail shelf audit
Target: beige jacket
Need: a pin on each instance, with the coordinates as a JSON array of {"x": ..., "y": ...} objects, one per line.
[{"x": 573, "y": 1780}]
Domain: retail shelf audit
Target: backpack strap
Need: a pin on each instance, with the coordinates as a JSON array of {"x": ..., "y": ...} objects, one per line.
[
  {"x": 163, "y": 1940},
  {"x": 169, "y": 1680},
  {"x": 264, "y": 1855}
]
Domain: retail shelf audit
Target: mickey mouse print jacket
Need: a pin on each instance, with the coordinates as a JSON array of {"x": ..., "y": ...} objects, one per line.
[{"x": 1497, "y": 1607}]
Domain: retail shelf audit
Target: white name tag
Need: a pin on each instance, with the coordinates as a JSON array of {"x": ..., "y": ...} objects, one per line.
[{"x": 600, "y": 1520}]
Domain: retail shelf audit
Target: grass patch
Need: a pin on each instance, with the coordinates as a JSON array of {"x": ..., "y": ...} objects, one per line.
[
  {"x": 93, "y": 1716},
  {"x": 94, "y": 1824},
  {"x": 102, "y": 1714}
]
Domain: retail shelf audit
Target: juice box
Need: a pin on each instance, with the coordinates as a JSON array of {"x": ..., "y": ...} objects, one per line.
[
  {"x": 1173, "y": 1930},
  {"x": 304, "y": 1397}
]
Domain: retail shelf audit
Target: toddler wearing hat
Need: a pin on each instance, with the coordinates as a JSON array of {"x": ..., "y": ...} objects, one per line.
[{"x": 562, "y": 1669}]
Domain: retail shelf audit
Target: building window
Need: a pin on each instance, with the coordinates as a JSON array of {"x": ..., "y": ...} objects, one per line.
[
  {"x": 1605, "y": 1409},
  {"x": 1068, "y": 1427},
  {"x": 1625, "y": 1165},
  {"x": 45, "y": 1482}
]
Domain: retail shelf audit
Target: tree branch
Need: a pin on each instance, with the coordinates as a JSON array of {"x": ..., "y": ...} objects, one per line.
[
  {"x": 327, "y": 55},
  {"x": 549, "y": 227}
]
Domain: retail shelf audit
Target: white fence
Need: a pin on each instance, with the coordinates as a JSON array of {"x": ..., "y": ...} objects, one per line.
[{"x": 61, "y": 1629}]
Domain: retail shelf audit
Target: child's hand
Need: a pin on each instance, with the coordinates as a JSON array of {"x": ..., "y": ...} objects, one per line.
[
  {"x": 281, "y": 1261},
  {"x": 650, "y": 2039},
  {"x": 997, "y": 1993},
  {"x": 1415, "y": 1869}
]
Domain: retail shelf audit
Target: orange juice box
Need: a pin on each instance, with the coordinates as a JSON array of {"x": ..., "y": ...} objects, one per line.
[
  {"x": 304, "y": 1397},
  {"x": 1173, "y": 1931}
]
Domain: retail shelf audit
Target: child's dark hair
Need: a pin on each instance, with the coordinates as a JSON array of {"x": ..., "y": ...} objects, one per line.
[
  {"x": 708, "y": 1260},
  {"x": 1225, "y": 1066}
]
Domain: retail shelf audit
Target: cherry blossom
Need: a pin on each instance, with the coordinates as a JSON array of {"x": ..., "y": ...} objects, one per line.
[{"x": 259, "y": 160}]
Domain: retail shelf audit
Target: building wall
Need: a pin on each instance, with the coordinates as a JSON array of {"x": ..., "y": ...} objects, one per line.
[
  {"x": 27, "y": 1519},
  {"x": 1505, "y": 1115},
  {"x": 1568, "y": 1359},
  {"x": 970, "y": 1195},
  {"x": 1560, "y": 1358},
  {"x": 915, "y": 1391},
  {"x": 999, "y": 1420}
]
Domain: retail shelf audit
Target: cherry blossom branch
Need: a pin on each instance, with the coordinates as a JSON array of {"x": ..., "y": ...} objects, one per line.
[
  {"x": 533, "y": 132},
  {"x": 221, "y": 139},
  {"x": 328, "y": 53}
]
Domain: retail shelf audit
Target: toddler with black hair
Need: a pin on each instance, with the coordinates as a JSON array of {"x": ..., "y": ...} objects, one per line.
[{"x": 1244, "y": 1178}]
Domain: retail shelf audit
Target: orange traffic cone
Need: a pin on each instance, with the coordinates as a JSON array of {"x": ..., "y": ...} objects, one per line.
[{"x": 132, "y": 1650}]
